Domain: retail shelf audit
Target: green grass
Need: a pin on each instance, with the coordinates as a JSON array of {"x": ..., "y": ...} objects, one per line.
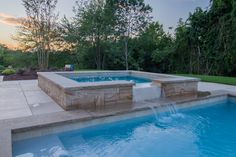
[{"x": 213, "y": 79}]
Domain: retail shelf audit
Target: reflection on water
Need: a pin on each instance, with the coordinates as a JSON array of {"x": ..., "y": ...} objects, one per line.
[{"x": 208, "y": 132}]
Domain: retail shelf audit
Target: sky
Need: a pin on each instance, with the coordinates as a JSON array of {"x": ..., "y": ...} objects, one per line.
[{"x": 167, "y": 12}]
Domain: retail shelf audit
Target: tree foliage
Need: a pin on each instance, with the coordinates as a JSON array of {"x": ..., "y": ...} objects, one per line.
[
  {"x": 120, "y": 34},
  {"x": 206, "y": 41},
  {"x": 133, "y": 16},
  {"x": 38, "y": 31},
  {"x": 101, "y": 25}
]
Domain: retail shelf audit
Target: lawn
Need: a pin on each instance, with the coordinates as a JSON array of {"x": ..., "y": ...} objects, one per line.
[{"x": 213, "y": 79}]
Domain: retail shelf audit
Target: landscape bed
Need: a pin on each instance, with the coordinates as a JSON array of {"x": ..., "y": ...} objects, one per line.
[{"x": 200, "y": 127}]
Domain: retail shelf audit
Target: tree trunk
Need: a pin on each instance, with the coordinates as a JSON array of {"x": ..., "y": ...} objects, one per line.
[
  {"x": 198, "y": 58},
  {"x": 126, "y": 54},
  {"x": 47, "y": 60},
  {"x": 98, "y": 55},
  {"x": 43, "y": 58}
]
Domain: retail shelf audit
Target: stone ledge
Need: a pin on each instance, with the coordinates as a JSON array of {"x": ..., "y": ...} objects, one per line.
[
  {"x": 70, "y": 94},
  {"x": 176, "y": 80}
]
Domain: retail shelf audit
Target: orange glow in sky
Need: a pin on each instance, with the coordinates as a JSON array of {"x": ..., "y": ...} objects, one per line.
[{"x": 167, "y": 12}]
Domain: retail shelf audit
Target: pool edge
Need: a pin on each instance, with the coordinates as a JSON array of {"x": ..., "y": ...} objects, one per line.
[{"x": 9, "y": 127}]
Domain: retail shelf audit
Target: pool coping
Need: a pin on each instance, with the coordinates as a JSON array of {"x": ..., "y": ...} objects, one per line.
[
  {"x": 65, "y": 82},
  {"x": 24, "y": 124}
]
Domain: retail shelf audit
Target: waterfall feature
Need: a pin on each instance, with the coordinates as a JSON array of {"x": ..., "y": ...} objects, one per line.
[
  {"x": 154, "y": 112},
  {"x": 165, "y": 114},
  {"x": 172, "y": 108}
]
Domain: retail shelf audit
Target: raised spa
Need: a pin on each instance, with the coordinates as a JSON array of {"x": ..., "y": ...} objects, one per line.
[{"x": 95, "y": 89}]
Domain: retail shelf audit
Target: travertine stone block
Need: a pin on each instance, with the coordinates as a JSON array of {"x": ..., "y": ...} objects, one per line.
[
  {"x": 70, "y": 94},
  {"x": 87, "y": 97},
  {"x": 179, "y": 88}
]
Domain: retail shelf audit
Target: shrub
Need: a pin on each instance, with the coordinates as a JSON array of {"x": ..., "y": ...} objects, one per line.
[
  {"x": 8, "y": 71},
  {"x": 60, "y": 59},
  {"x": 21, "y": 71},
  {"x": 1, "y": 68},
  {"x": 18, "y": 59}
]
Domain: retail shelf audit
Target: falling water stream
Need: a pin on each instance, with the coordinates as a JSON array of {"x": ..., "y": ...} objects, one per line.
[
  {"x": 154, "y": 112},
  {"x": 170, "y": 109}
]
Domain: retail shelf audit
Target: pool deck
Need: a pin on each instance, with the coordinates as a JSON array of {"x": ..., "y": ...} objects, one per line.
[
  {"x": 24, "y": 107},
  {"x": 25, "y": 98},
  {"x": 205, "y": 86}
]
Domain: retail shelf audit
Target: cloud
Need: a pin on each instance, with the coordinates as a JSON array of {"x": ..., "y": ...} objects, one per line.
[
  {"x": 4, "y": 15},
  {"x": 10, "y": 20}
]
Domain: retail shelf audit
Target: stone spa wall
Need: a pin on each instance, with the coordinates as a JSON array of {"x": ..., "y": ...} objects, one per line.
[{"x": 70, "y": 94}]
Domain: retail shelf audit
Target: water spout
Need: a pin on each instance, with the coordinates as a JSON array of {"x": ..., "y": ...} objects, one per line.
[
  {"x": 169, "y": 110},
  {"x": 172, "y": 108},
  {"x": 154, "y": 112},
  {"x": 168, "y": 115}
]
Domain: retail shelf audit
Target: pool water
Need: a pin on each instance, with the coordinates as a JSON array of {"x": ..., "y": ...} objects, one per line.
[
  {"x": 111, "y": 78},
  {"x": 195, "y": 132}
]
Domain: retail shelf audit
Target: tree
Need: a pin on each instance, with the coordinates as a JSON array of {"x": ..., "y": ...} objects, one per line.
[
  {"x": 189, "y": 43},
  {"x": 91, "y": 28},
  {"x": 181, "y": 52},
  {"x": 133, "y": 16},
  {"x": 3, "y": 49},
  {"x": 206, "y": 41},
  {"x": 151, "y": 50},
  {"x": 38, "y": 31}
]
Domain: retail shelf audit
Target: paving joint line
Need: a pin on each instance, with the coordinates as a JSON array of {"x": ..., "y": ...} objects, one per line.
[{"x": 25, "y": 97}]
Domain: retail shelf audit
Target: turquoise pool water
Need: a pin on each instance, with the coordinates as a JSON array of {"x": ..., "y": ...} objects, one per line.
[
  {"x": 195, "y": 132},
  {"x": 110, "y": 78}
]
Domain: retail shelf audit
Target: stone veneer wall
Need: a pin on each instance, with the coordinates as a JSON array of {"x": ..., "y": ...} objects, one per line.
[
  {"x": 71, "y": 94},
  {"x": 55, "y": 91},
  {"x": 87, "y": 97},
  {"x": 99, "y": 97},
  {"x": 170, "y": 89}
]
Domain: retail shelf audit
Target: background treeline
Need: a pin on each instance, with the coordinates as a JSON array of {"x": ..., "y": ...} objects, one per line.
[
  {"x": 28, "y": 61},
  {"x": 118, "y": 34},
  {"x": 206, "y": 42}
]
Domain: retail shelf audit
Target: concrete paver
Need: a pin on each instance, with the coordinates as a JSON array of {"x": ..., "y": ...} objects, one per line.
[
  {"x": 42, "y": 108},
  {"x": 205, "y": 86},
  {"x": 35, "y": 97},
  {"x": 24, "y": 98}
]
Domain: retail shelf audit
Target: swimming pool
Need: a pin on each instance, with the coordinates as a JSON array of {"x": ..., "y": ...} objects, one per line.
[
  {"x": 194, "y": 132},
  {"x": 110, "y": 78}
]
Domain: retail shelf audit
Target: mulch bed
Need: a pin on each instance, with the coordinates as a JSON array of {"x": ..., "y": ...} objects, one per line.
[
  {"x": 26, "y": 75},
  {"x": 29, "y": 75}
]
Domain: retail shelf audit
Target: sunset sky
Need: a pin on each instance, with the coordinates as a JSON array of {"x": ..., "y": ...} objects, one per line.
[{"x": 167, "y": 12}]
